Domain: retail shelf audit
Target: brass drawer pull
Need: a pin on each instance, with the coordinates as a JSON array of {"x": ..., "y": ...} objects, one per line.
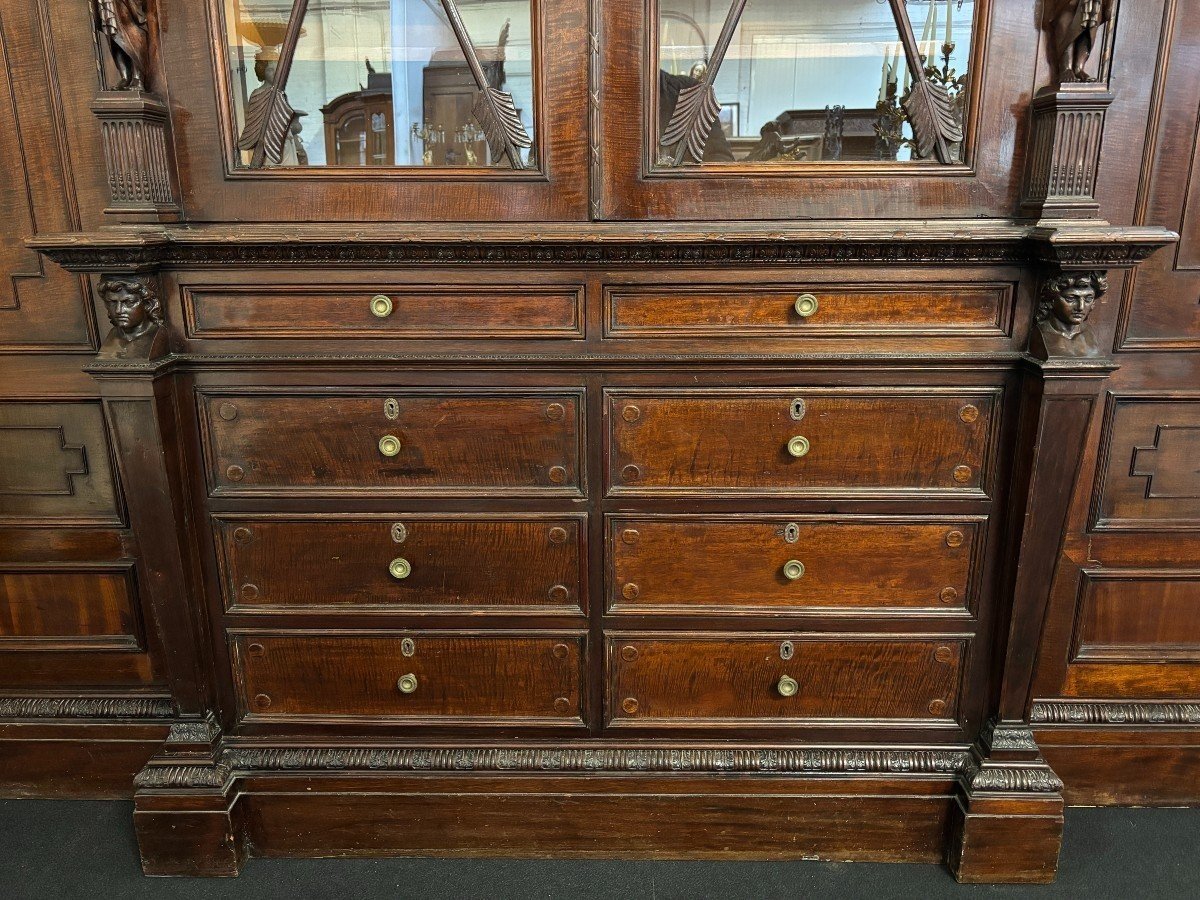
[
  {"x": 381, "y": 306},
  {"x": 787, "y": 686},
  {"x": 399, "y": 568},
  {"x": 806, "y": 305},
  {"x": 798, "y": 446},
  {"x": 389, "y": 445},
  {"x": 407, "y": 684},
  {"x": 793, "y": 570}
]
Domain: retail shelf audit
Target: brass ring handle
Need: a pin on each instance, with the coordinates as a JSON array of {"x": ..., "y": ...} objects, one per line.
[
  {"x": 381, "y": 306},
  {"x": 399, "y": 568},
  {"x": 806, "y": 305},
  {"x": 793, "y": 570},
  {"x": 389, "y": 445},
  {"x": 798, "y": 446},
  {"x": 787, "y": 686},
  {"x": 407, "y": 684}
]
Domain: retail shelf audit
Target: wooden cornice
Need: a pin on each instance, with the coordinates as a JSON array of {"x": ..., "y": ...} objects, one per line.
[{"x": 1068, "y": 244}]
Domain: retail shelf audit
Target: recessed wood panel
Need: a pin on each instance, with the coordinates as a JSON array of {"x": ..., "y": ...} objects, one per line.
[
  {"x": 464, "y": 562},
  {"x": 475, "y": 679},
  {"x": 55, "y": 465},
  {"x": 1151, "y": 476},
  {"x": 501, "y": 443},
  {"x": 732, "y": 564},
  {"x": 853, "y": 441},
  {"x": 417, "y": 311},
  {"x": 736, "y": 678},
  {"x": 68, "y": 607},
  {"x": 1138, "y": 616},
  {"x": 770, "y": 310}
]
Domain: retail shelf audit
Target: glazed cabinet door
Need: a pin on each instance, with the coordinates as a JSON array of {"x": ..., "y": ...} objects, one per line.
[
  {"x": 785, "y": 109},
  {"x": 379, "y": 110}
]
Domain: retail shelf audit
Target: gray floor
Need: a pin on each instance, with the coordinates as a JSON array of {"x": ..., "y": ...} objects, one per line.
[{"x": 75, "y": 849}]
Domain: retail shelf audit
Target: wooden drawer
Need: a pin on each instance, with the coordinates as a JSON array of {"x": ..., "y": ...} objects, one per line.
[
  {"x": 736, "y": 679},
  {"x": 777, "y": 564},
  {"x": 745, "y": 441},
  {"x": 464, "y": 562},
  {"x": 756, "y": 310},
  {"x": 459, "y": 678},
  {"x": 504, "y": 443},
  {"x": 406, "y": 311}
]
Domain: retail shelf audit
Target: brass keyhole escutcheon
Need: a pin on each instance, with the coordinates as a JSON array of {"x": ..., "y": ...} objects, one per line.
[
  {"x": 381, "y": 306},
  {"x": 399, "y": 568},
  {"x": 389, "y": 445},
  {"x": 806, "y": 305},
  {"x": 787, "y": 650},
  {"x": 399, "y": 533},
  {"x": 798, "y": 446},
  {"x": 787, "y": 686},
  {"x": 391, "y": 409},
  {"x": 408, "y": 647},
  {"x": 407, "y": 684},
  {"x": 793, "y": 570}
]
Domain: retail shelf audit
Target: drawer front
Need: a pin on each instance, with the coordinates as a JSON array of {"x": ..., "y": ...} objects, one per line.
[
  {"x": 426, "y": 563},
  {"x": 439, "y": 677},
  {"x": 735, "y": 679},
  {"x": 734, "y": 564},
  {"x": 407, "y": 311},
  {"x": 799, "y": 441},
  {"x": 789, "y": 311},
  {"x": 501, "y": 443}
]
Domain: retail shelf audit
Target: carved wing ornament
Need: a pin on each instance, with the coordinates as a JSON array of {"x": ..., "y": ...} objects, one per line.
[
  {"x": 269, "y": 115},
  {"x": 698, "y": 109},
  {"x": 928, "y": 105},
  {"x": 934, "y": 123}
]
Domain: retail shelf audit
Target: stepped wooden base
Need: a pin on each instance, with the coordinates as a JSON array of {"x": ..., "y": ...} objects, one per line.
[{"x": 197, "y": 813}]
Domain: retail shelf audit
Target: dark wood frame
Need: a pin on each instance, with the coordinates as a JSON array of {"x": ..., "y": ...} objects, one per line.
[
  {"x": 215, "y": 189},
  {"x": 986, "y": 183}
]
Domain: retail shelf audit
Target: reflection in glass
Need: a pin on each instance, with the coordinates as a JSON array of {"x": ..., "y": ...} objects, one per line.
[
  {"x": 383, "y": 82},
  {"x": 810, "y": 80}
]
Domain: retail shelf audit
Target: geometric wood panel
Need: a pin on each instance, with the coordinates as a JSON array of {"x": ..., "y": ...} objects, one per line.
[
  {"x": 1130, "y": 615},
  {"x": 1161, "y": 302},
  {"x": 40, "y": 306},
  {"x": 57, "y": 606},
  {"x": 1151, "y": 474},
  {"x": 54, "y": 464}
]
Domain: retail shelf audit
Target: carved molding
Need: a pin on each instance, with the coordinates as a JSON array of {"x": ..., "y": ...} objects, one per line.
[
  {"x": 783, "y": 761},
  {"x": 1095, "y": 246},
  {"x": 996, "y": 736},
  {"x": 1100, "y": 712},
  {"x": 86, "y": 708},
  {"x": 1034, "y": 779},
  {"x": 202, "y": 732},
  {"x": 198, "y": 775}
]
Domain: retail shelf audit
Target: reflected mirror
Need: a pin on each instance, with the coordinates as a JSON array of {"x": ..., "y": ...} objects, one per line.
[
  {"x": 794, "y": 81},
  {"x": 354, "y": 83}
]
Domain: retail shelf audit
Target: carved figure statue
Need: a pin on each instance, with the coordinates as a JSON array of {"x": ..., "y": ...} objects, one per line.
[
  {"x": 1067, "y": 301},
  {"x": 1073, "y": 25},
  {"x": 133, "y": 308},
  {"x": 126, "y": 29}
]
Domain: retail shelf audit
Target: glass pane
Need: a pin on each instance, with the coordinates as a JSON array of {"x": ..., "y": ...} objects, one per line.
[
  {"x": 383, "y": 83},
  {"x": 809, "y": 80}
]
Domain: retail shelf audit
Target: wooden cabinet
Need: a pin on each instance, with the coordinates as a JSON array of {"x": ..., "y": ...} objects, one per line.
[{"x": 718, "y": 412}]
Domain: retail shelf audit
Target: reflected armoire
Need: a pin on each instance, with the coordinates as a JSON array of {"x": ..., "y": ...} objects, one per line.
[{"x": 600, "y": 428}]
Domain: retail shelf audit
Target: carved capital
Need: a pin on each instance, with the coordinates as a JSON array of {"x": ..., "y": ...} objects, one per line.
[
  {"x": 135, "y": 312},
  {"x": 191, "y": 758},
  {"x": 1066, "y": 301}
]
